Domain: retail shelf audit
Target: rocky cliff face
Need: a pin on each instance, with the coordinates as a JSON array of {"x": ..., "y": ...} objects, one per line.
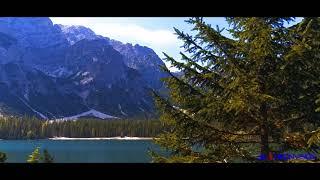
[
  {"x": 29, "y": 91},
  {"x": 144, "y": 60},
  {"x": 37, "y": 32},
  {"x": 74, "y": 34},
  {"x": 141, "y": 58},
  {"x": 53, "y": 71}
]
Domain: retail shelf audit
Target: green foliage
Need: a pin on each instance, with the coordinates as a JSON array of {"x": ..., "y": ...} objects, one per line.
[
  {"x": 3, "y": 157},
  {"x": 256, "y": 88},
  {"x": 31, "y": 128},
  {"x": 314, "y": 138},
  {"x": 47, "y": 158},
  {"x": 34, "y": 157},
  {"x": 318, "y": 103}
]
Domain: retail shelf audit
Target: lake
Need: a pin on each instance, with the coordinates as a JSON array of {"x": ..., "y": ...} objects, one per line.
[{"x": 81, "y": 151}]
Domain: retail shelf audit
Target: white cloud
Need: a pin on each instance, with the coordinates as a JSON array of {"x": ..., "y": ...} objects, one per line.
[
  {"x": 159, "y": 40},
  {"x": 71, "y": 21},
  {"x": 120, "y": 29},
  {"x": 135, "y": 33}
]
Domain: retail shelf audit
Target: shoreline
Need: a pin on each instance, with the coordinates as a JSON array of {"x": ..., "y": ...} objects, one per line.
[
  {"x": 91, "y": 138},
  {"x": 103, "y": 138}
]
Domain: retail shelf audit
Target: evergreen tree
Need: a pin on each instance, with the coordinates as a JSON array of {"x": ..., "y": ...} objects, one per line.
[
  {"x": 3, "y": 157},
  {"x": 257, "y": 88},
  {"x": 34, "y": 157},
  {"x": 47, "y": 158}
]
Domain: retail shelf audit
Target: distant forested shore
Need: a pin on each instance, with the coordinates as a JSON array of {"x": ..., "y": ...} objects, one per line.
[{"x": 32, "y": 128}]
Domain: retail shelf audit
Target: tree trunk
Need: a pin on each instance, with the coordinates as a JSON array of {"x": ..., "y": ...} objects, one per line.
[
  {"x": 264, "y": 131},
  {"x": 265, "y": 151}
]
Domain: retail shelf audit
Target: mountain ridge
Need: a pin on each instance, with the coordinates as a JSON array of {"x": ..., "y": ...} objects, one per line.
[{"x": 72, "y": 63}]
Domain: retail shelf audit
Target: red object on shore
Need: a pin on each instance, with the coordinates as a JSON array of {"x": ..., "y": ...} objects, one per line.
[{"x": 270, "y": 156}]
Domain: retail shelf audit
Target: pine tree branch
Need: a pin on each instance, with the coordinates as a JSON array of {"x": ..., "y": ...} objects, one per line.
[
  {"x": 168, "y": 105},
  {"x": 295, "y": 118},
  {"x": 215, "y": 37},
  {"x": 180, "y": 81},
  {"x": 190, "y": 41},
  {"x": 203, "y": 69},
  {"x": 282, "y": 122}
]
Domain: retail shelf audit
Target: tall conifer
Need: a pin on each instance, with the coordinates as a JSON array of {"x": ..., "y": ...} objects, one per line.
[{"x": 242, "y": 96}]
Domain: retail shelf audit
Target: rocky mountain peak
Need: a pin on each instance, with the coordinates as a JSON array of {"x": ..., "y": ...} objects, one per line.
[
  {"x": 77, "y": 33},
  {"x": 36, "y": 32}
]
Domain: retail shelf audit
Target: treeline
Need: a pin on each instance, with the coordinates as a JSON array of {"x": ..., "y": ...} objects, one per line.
[{"x": 32, "y": 128}]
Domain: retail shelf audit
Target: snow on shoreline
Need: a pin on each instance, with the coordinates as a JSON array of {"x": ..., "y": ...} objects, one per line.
[
  {"x": 103, "y": 138},
  {"x": 91, "y": 112}
]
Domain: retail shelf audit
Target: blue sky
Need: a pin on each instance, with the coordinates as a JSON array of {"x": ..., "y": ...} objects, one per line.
[{"x": 154, "y": 32}]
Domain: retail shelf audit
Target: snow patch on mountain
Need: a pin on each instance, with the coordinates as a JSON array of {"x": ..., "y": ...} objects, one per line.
[
  {"x": 92, "y": 112},
  {"x": 142, "y": 109},
  {"x": 85, "y": 73},
  {"x": 94, "y": 59},
  {"x": 86, "y": 80},
  {"x": 120, "y": 108},
  {"x": 60, "y": 72},
  {"x": 26, "y": 94},
  {"x": 77, "y": 33},
  {"x": 78, "y": 73},
  {"x": 40, "y": 114}
]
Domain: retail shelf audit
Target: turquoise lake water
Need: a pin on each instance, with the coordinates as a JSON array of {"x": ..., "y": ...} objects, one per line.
[{"x": 81, "y": 151}]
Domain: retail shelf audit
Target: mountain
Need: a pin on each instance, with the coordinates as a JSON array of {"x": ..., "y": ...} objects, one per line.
[
  {"x": 56, "y": 71},
  {"x": 74, "y": 34},
  {"x": 36, "y": 32},
  {"x": 141, "y": 58},
  {"x": 29, "y": 91}
]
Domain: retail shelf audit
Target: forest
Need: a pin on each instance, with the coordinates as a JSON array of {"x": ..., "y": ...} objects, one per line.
[{"x": 33, "y": 128}]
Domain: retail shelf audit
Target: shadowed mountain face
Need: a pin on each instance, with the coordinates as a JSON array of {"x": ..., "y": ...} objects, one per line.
[{"x": 54, "y": 71}]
